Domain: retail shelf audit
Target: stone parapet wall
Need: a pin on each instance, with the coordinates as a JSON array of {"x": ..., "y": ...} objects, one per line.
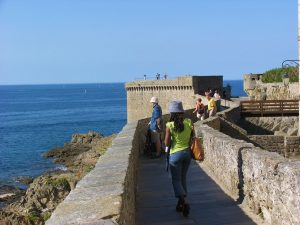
[
  {"x": 234, "y": 131},
  {"x": 222, "y": 157},
  {"x": 270, "y": 143},
  {"x": 233, "y": 113},
  {"x": 213, "y": 122},
  {"x": 106, "y": 195},
  {"x": 271, "y": 186},
  {"x": 281, "y": 125},
  {"x": 292, "y": 146},
  {"x": 264, "y": 182},
  {"x": 287, "y": 146}
]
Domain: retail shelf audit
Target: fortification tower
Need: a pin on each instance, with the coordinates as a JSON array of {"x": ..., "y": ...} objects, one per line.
[{"x": 184, "y": 88}]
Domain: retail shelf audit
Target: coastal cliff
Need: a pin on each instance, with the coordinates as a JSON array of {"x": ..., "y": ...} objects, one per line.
[{"x": 46, "y": 191}]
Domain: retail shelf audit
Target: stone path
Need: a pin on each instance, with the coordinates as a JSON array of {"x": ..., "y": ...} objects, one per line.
[{"x": 209, "y": 204}]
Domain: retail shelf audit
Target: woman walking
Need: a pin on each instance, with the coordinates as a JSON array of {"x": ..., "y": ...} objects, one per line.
[
  {"x": 200, "y": 109},
  {"x": 178, "y": 136}
]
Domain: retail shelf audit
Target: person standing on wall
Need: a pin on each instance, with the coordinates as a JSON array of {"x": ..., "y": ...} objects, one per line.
[
  {"x": 211, "y": 107},
  {"x": 217, "y": 95},
  {"x": 200, "y": 109},
  {"x": 217, "y": 98},
  {"x": 156, "y": 125},
  {"x": 178, "y": 134}
]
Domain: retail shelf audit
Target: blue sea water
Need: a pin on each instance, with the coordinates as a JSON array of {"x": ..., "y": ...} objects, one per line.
[
  {"x": 36, "y": 118},
  {"x": 237, "y": 87}
]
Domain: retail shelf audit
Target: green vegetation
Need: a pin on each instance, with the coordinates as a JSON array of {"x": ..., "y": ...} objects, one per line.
[
  {"x": 46, "y": 215},
  {"x": 32, "y": 217},
  {"x": 59, "y": 182},
  {"x": 88, "y": 168},
  {"x": 275, "y": 75}
]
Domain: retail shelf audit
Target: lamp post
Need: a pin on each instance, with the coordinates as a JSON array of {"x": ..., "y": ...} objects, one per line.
[{"x": 287, "y": 62}]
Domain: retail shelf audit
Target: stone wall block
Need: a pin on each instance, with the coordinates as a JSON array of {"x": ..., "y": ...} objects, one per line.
[
  {"x": 286, "y": 197},
  {"x": 213, "y": 122},
  {"x": 221, "y": 151},
  {"x": 262, "y": 184}
]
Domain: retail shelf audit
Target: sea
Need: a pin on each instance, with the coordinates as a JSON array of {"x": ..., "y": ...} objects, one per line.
[{"x": 36, "y": 118}]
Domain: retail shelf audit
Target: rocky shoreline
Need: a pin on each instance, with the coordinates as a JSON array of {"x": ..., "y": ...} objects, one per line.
[{"x": 35, "y": 205}]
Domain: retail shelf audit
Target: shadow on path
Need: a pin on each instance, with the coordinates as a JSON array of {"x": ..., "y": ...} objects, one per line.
[{"x": 209, "y": 204}]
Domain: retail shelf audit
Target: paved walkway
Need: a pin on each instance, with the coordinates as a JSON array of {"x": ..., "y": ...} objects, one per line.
[{"x": 209, "y": 204}]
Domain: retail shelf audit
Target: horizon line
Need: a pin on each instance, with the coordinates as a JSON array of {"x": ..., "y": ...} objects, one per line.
[{"x": 120, "y": 82}]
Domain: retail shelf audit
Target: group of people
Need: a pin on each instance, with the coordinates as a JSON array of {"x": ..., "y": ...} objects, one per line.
[
  {"x": 179, "y": 132},
  {"x": 212, "y": 108},
  {"x": 157, "y": 76}
]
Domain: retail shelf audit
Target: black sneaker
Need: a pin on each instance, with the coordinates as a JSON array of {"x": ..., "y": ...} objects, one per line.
[
  {"x": 186, "y": 210},
  {"x": 179, "y": 206}
]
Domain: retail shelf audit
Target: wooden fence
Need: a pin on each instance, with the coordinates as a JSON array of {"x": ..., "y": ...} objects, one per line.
[{"x": 270, "y": 108}]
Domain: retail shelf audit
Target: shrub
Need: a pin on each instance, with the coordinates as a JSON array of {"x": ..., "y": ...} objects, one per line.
[
  {"x": 275, "y": 75},
  {"x": 58, "y": 182}
]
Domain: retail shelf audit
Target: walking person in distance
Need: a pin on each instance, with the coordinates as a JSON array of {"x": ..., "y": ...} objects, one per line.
[
  {"x": 211, "y": 107},
  {"x": 178, "y": 135},
  {"x": 200, "y": 109},
  {"x": 156, "y": 126}
]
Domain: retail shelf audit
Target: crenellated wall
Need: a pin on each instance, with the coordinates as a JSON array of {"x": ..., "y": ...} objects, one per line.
[{"x": 187, "y": 89}]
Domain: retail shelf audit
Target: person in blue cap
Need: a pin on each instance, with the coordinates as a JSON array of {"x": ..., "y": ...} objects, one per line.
[{"x": 179, "y": 131}]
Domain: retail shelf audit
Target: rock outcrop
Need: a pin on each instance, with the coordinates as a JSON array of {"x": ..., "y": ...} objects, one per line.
[{"x": 47, "y": 191}]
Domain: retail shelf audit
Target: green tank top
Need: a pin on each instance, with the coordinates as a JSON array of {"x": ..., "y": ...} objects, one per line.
[{"x": 180, "y": 140}]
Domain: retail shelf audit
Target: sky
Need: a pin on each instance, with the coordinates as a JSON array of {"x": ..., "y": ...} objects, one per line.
[{"x": 99, "y": 41}]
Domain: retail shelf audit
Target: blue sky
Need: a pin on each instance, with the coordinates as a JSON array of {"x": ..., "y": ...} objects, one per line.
[{"x": 94, "y": 41}]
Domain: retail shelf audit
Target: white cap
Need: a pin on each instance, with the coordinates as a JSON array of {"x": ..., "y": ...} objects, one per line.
[{"x": 154, "y": 100}]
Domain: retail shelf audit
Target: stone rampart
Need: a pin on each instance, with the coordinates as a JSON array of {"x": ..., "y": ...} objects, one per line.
[
  {"x": 185, "y": 89},
  {"x": 264, "y": 182},
  {"x": 107, "y": 194},
  {"x": 271, "y": 186}
]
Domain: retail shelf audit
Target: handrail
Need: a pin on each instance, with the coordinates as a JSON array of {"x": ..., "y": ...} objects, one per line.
[{"x": 270, "y": 108}]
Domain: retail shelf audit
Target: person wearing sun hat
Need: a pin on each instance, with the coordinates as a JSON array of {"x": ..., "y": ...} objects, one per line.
[
  {"x": 178, "y": 135},
  {"x": 156, "y": 125}
]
